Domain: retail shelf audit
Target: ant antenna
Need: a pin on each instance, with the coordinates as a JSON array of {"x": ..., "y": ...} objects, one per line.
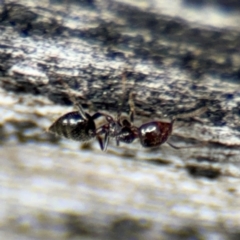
[
  {"x": 197, "y": 112},
  {"x": 120, "y": 105},
  {"x": 120, "y": 128},
  {"x": 182, "y": 147},
  {"x": 106, "y": 141},
  {"x": 130, "y": 99},
  {"x": 132, "y": 106},
  {"x": 194, "y": 113}
]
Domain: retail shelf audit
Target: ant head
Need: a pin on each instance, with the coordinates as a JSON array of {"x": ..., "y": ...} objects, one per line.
[{"x": 155, "y": 133}]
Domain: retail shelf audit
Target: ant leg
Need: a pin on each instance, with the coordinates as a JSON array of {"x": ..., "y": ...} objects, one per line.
[
  {"x": 103, "y": 130},
  {"x": 97, "y": 115},
  {"x": 106, "y": 141},
  {"x": 173, "y": 146},
  {"x": 74, "y": 101},
  {"x": 100, "y": 142},
  {"x": 117, "y": 141},
  {"x": 120, "y": 103},
  {"x": 132, "y": 107},
  {"x": 80, "y": 110},
  {"x": 178, "y": 147},
  {"x": 103, "y": 144},
  {"x": 194, "y": 113}
]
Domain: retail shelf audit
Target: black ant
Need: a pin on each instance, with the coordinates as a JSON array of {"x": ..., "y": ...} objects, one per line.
[{"x": 80, "y": 126}]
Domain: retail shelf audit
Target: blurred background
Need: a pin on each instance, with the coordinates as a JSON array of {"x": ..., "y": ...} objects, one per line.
[{"x": 177, "y": 58}]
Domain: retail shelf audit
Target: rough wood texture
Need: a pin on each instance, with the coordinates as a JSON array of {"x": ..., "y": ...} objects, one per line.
[{"x": 175, "y": 60}]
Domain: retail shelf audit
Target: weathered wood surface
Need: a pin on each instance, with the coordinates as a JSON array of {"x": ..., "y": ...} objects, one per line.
[{"x": 176, "y": 60}]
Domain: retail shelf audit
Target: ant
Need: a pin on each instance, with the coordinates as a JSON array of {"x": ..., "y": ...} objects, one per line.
[
  {"x": 151, "y": 134},
  {"x": 80, "y": 126}
]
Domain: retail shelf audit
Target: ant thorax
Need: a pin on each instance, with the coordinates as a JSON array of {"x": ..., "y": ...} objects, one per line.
[{"x": 110, "y": 125}]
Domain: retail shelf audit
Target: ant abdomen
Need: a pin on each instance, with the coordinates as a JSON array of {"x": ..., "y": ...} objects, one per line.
[
  {"x": 155, "y": 133},
  {"x": 74, "y": 126}
]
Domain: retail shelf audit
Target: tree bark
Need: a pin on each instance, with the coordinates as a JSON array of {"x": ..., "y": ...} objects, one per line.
[{"x": 98, "y": 52}]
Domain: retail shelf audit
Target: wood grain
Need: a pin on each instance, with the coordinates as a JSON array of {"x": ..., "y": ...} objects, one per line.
[{"x": 176, "y": 60}]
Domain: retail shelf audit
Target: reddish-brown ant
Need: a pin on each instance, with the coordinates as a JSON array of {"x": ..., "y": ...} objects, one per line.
[{"x": 151, "y": 134}]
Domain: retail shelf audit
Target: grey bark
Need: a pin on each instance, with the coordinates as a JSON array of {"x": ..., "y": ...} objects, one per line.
[{"x": 174, "y": 64}]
